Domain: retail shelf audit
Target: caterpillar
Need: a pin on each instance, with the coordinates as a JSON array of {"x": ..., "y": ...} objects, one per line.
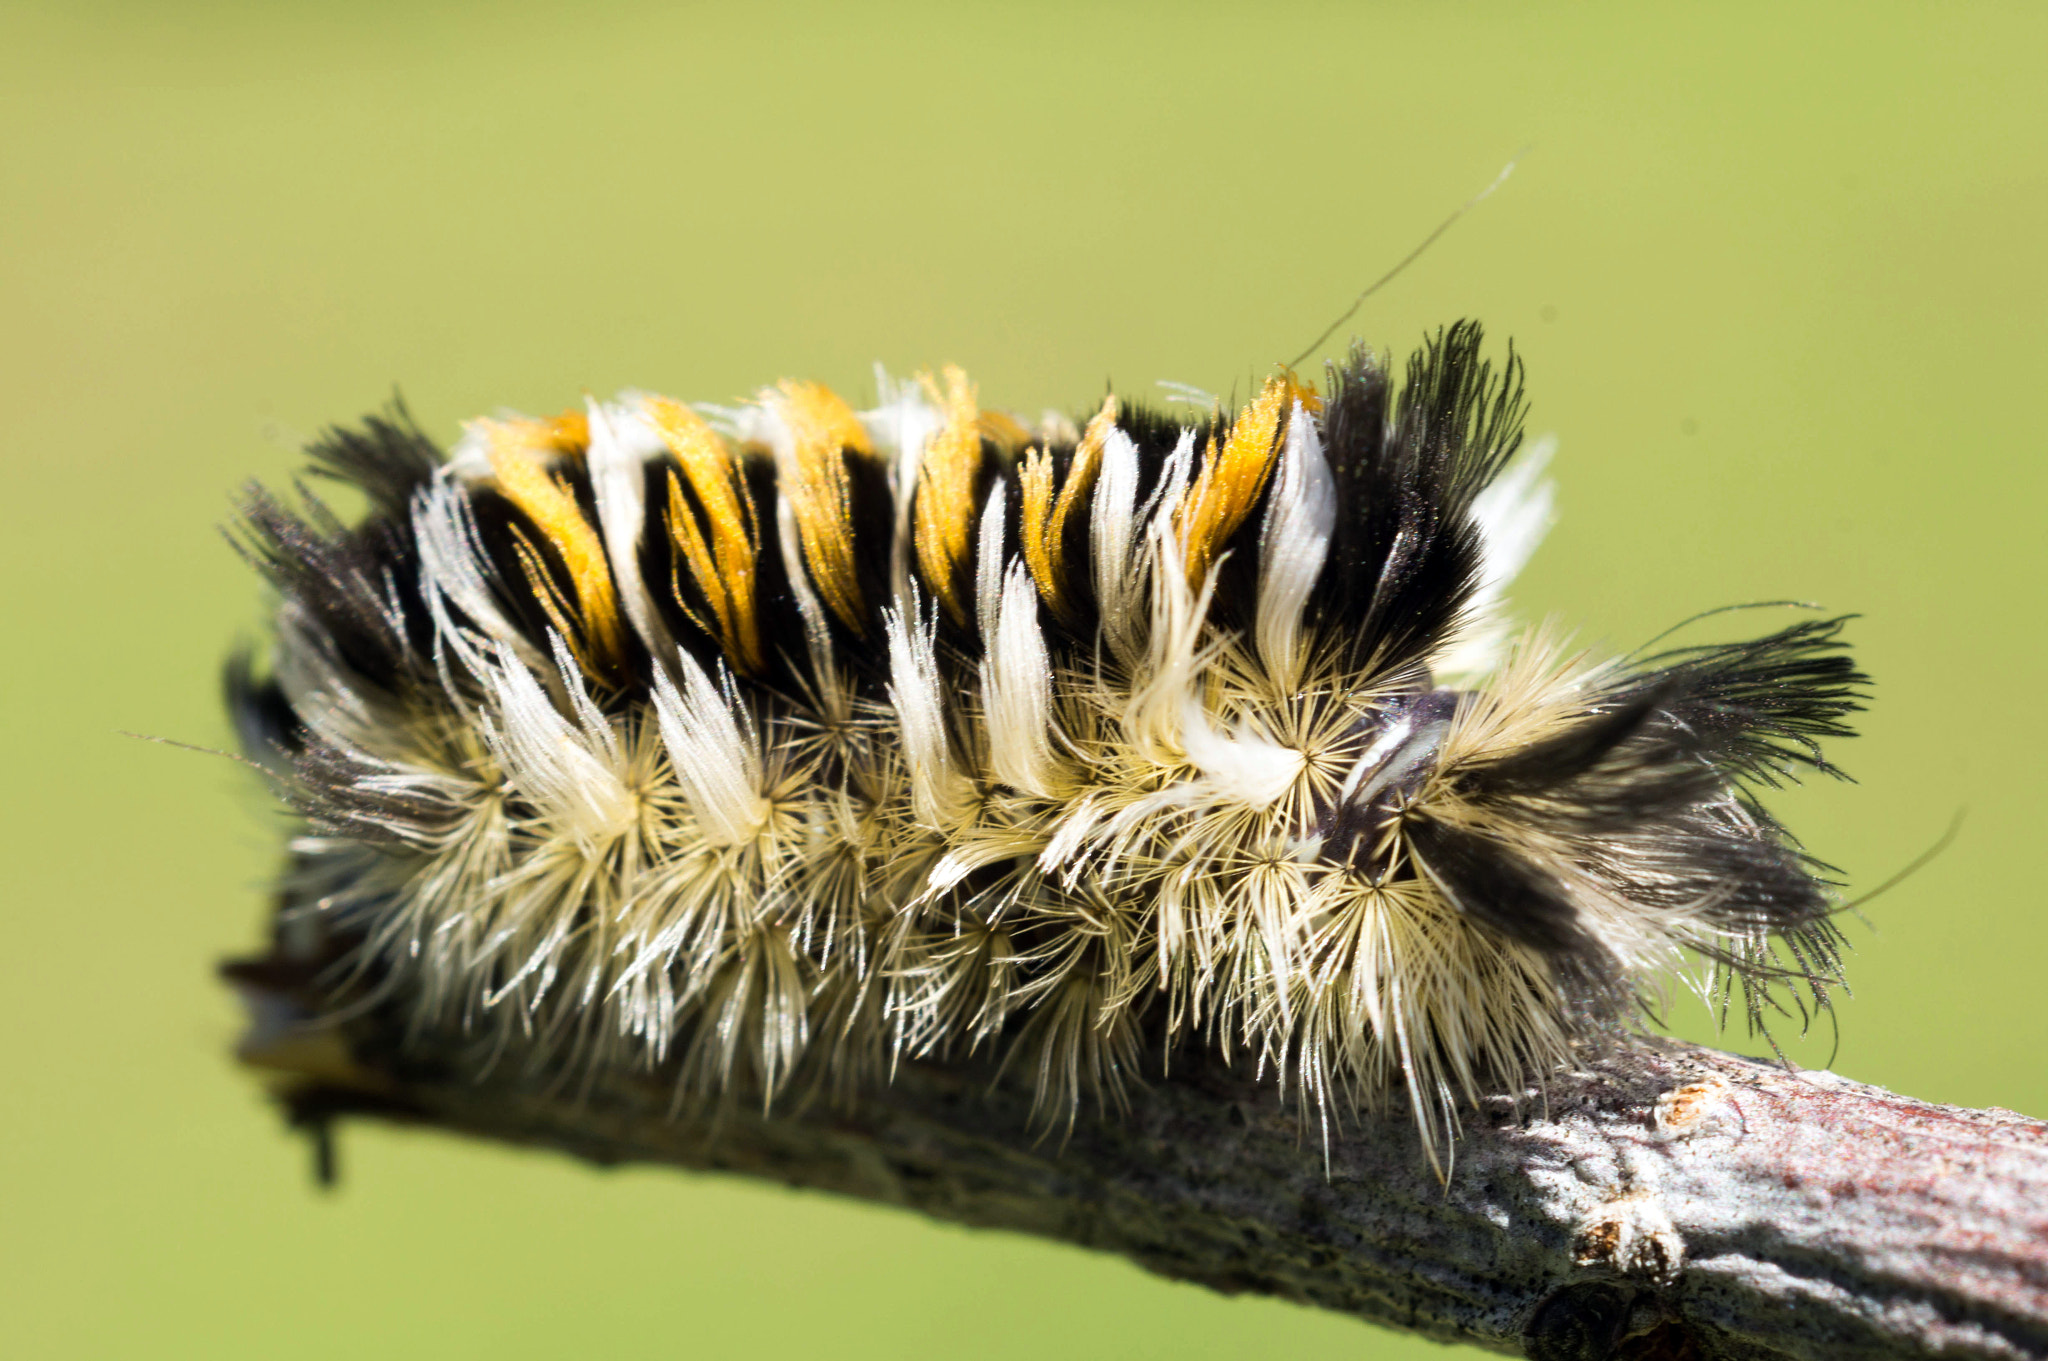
[{"x": 770, "y": 745}]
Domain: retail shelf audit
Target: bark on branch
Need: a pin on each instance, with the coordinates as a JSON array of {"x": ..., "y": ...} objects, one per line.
[{"x": 1681, "y": 1203}]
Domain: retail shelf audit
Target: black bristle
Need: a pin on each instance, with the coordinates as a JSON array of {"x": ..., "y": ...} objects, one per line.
[
  {"x": 358, "y": 588},
  {"x": 388, "y": 456},
  {"x": 1761, "y": 707},
  {"x": 1495, "y": 886},
  {"x": 1405, "y": 557}
]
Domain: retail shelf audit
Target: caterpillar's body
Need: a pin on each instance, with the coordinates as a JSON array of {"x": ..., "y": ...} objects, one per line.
[{"x": 786, "y": 739}]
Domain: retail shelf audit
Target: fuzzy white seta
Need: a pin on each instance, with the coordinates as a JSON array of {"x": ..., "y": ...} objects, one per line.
[
  {"x": 621, "y": 443},
  {"x": 1293, "y": 545},
  {"x": 571, "y": 766},
  {"x": 1513, "y": 514},
  {"x": 1113, "y": 537},
  {"x": 453, "y": 566},
  {"x": 714, "y": 751},
  {"x": 940, "y": 794},
  {"x": 901, "y": 424},
  {"x": 1017, "y": 685}
]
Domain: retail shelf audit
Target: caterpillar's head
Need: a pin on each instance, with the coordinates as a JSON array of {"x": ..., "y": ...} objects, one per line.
[{"x": 807, "y": 737}]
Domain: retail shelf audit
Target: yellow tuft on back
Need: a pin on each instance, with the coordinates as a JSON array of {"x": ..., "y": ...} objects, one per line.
[
  {"x": 724, "y": 564},
  {"x": 823, "y": 431},
  {"x": 945, "y": 490},
  {"x": 1232, "y": 477},
  {"x": 1045, "y": 519},
  {"x": 519, "y": 450}
]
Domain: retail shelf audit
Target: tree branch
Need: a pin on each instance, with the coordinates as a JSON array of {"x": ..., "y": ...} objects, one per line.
[{"x": 1676, "y": 1203}]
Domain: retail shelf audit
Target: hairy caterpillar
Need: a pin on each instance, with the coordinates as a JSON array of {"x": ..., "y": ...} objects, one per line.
[{"x": 770, "y": 744}]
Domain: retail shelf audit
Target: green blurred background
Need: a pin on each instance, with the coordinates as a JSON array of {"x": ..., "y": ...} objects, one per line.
[{"x": 1778, "y": 273}]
